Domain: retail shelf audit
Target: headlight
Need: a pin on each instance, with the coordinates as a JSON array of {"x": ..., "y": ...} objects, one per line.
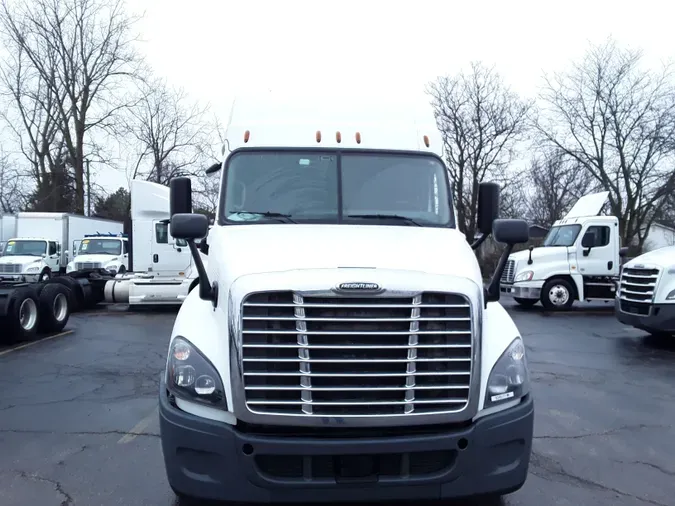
[
  {"x": 509, "y": 378},
  {"x": 525, "y": 276},
  {"x": 671, "y": 295},
  {"x": 33, "y": 269},
  {"x": 191, "y": 376}
]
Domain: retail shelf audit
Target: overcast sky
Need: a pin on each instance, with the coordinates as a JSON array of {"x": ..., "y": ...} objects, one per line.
[{"x": 213, "y": 48}]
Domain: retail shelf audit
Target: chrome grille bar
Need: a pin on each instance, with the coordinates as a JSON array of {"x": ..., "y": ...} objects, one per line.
[
  {"x": 638, "y": 285},
  {"x": 334, "y": 355}
]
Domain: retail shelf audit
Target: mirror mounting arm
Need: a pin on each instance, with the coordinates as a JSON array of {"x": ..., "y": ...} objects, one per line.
[
  {"x": 476, "y": 244},
  {"x": 207, "y": 291},
  {"x": 493, "y": 289}
]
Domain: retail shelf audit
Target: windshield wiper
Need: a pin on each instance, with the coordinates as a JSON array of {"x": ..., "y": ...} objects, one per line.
[
  {"x": 386, "y": 217},
  {"x": 270, "y": 214}
]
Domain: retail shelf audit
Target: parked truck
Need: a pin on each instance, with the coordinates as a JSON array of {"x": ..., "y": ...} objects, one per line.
[
  {"x": 160, "y": 268},
  {"x": 646, "y": 295},
  {"x": 27, "y": 309},
  {"x": 109, "y": 252},
  {"x": 341, "y": 344},
  {"x": 580, "y": 259},
  {"x": 40, "y": 248}
]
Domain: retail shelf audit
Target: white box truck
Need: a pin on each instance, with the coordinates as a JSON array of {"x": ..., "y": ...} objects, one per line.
[
  {"x": 7, "y": 229},
  {"x": 341, "y": 345},
  {"x": 40, "y": 248}
]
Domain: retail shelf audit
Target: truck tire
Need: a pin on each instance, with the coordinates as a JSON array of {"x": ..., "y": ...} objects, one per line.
[
  {"x": 557, "y": 294},
  {"x": 54, "y": 307},
  {"x": 45, "y": 275},
  {"x": 75, "y": 292},
  {"x": 525, "y": 302},
  {"x": 23, "y": 316}
]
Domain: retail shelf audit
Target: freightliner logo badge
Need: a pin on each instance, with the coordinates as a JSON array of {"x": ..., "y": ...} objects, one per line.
[{"x": 361, "y": 287}]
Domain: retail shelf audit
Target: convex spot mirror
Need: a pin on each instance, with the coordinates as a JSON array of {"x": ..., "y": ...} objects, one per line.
[
  {"x": 510, "y": 231},
  {"x": 189, "y": 226}
]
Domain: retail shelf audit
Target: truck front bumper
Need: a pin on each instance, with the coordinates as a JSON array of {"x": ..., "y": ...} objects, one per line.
[
  {"x": 523, "y": 290},
  {"x": 652, "y": 317},
  {"x": 213, "y": 460}
]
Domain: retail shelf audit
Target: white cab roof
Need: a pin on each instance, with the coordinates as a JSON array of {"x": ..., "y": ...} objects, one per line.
[{"x": 287, "y": 120}]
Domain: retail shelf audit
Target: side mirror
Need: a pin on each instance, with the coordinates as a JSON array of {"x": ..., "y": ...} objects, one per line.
[
  {"x": 511, "y": 231},
  {"x": 588, "y": 241},
  {"x": 488, "y": 206},
  {"x": 189, "y": 226},
  {"x": 214, "y": 168},
  {"x": 623, "y": 252},
  {"x": 181, "y": 196}
]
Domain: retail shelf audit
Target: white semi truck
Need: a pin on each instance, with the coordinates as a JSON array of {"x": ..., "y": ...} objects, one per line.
[
  {"x": 646, "y": 295},
  {"x": 160, "y": 269},
  {"x": 341, "y": 344},
  {"x": 580, "y": 260},
  {"x": 39, "y": 250}
]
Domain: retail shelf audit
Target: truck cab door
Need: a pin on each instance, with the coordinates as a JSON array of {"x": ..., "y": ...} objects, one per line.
[
  {"x": 170, "y": 256},
  {"x": 597, "y": 250},
  {"x": 53, "y": 259}
]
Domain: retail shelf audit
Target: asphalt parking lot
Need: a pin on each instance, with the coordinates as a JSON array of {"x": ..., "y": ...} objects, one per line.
[{"x": 79, "y": 425}]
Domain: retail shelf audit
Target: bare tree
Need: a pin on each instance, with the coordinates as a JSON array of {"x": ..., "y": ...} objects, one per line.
[
  {"x": 30, "y": 114},
  {"x": 556, "y": 183},
  {"x": 11, "y": 186},
  {"x": 207, "y": 186},
  {"x": 481, "y": 121},
  {"x": 616, "y": 119},
  {"x": 169, "y": 132},
  {"x": 80, "y": 53}
]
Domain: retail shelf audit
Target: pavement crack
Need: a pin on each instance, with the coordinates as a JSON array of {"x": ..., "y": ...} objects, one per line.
[
  {"x": 67, "y": 499},
  {"x": 607, "y": 432},
  {"x": 549, "y": 469},
  {"x": 81, "y": 433},
  {"x": 647, "y": 464}
]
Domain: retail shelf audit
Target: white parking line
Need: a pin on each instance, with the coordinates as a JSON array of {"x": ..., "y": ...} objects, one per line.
[
  {"x": 139, "y": 427},
  {"x": 21, "y": 347}
]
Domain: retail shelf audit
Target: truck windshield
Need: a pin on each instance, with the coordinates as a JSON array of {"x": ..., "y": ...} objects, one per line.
[
  {"x": 100, "y": 247},
  {"x": 332, "y": 187},
  {"x": 563, "y": 235},
  {"x": 29, "y": 248}
]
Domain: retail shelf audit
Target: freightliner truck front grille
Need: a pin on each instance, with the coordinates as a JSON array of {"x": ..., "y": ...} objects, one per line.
[{"x": 356, "y": 356}]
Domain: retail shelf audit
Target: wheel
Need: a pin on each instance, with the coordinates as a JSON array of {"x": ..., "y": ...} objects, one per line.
[
  {"x": 525, "y": 302},
  {"x": 75, "y": 292},
  {"x": 45, "y": 275},
  {"x": 23, "y": 317},
  {"x": 557, "y": 294},
  {"x": 54, "y": 307}
]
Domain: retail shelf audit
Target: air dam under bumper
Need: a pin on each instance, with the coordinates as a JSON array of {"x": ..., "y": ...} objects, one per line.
[
  {"x": 213, "y": 460},
  {"x": 661, "y": 317},
  {"x": 523, "y": 290}
]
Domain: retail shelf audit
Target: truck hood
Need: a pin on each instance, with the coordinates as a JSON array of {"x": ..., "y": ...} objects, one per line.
[
  {"x": 662, "y": 257},
  {"x": 542, "y": 254},
  {"x": 250, "y": 249},
  {"x": 19, "y": 259}
]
